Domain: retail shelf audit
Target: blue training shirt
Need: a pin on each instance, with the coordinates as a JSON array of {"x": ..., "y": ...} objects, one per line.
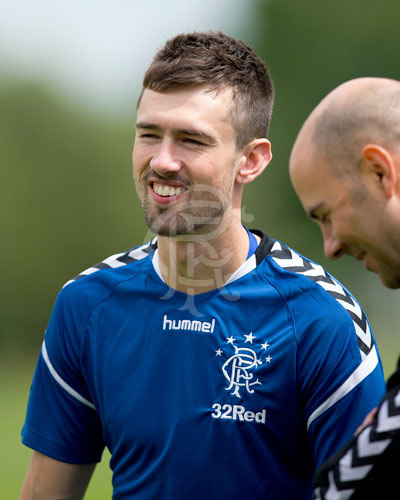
[{"x": 236, "y": 393}]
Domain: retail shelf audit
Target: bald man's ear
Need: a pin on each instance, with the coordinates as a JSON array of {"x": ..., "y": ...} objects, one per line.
[
  {"x": 256, "y": 157},
  {"x": 382, "y": 165}
]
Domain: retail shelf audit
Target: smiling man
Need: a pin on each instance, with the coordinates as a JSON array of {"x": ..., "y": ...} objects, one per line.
[
  {"x": 214, "y": 362},
  {"x": 345, "y": 168}
]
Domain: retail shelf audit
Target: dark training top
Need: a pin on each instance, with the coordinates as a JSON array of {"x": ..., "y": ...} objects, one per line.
[
  {"x": 369, "y": 466},
  {"x": 235, "y": 393}
]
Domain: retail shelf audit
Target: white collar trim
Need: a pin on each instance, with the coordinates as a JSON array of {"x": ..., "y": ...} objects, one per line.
[{"x": 245, "y": 268}]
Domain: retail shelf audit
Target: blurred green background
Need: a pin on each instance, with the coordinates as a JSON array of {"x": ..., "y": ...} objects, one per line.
[{"x": 66, "y": 195}]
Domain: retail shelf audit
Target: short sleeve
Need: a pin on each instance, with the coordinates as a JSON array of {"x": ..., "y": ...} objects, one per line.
[
  {"x": 339, "y": 382},
  {"x": 61, "y": 420}
]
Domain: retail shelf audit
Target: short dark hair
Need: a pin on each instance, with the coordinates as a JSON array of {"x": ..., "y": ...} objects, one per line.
[{"x": 218, "y": 61}]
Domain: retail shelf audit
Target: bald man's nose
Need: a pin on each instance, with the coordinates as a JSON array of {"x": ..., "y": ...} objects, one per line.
[{"x": 333, "y": 248}]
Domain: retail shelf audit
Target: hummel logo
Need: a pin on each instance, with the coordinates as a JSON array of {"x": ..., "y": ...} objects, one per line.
[{"x": 187, "y": 324}]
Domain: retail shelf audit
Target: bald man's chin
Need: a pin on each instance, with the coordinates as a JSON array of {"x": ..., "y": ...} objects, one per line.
[{"x": 392, "y": 281}]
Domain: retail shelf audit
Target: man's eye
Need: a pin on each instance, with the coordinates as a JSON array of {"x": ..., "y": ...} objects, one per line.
[
  {"x": 323, "y": 219},
  {"x": 148, "y": 135},
  {"x": 189, "y": 140},
  {"x": 320, "y": 218}
]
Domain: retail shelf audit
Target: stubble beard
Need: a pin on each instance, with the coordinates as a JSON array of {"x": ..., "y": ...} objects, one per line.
[{"x": 187, "y": 217}]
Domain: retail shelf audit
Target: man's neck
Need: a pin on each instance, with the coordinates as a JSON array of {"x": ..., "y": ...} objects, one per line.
[{"x": 197, "y": 263}]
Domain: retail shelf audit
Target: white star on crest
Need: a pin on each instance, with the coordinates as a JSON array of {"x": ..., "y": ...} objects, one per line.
[
  {"x": 249, "y": 338},
  {"x": 264, "y": 346},
  {"x": 219, "y": 352},
  {"x": 268, "y": 359},
  {"x": 230, "y": 340}
]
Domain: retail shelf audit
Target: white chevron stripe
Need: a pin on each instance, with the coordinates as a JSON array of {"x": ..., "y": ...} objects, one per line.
[
  {"x": 316, "y": 270},
  {"x": 366, "y": 336},
  {"x": 385, "y": 422},
  {"x": 295, "y": 261},
  {"x": 139, "y": 253},
  {"x": 276, "y": 247},
  {"x": 354, "y": 307},
  {"x": 334, "y": 494},
  {"x": 113, "y": 262},
  {"x": 332, "y": 287},
  {"x": 366, "y": 447},
  {"x": 90, "y": 271},
  {"x": 348, "y": 472}
]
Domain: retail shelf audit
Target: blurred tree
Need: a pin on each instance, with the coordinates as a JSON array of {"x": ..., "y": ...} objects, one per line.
[{"x": 67, "y": 198}]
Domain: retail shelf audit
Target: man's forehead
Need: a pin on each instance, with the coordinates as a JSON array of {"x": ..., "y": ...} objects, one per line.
[
  {"x": 186, "y": 108},
  {"x": 187, "y": 92},
  {"x": 311, "y": 176}
]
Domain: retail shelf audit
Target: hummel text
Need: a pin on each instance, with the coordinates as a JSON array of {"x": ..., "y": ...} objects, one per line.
[{"x": 187, "y": 324}]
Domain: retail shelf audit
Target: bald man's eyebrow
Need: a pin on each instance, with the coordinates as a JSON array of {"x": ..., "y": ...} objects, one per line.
[{"x": 199, "y": 134}]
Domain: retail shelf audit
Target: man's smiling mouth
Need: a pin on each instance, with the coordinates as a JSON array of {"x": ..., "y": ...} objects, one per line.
[{"x": 167, "y": 191}]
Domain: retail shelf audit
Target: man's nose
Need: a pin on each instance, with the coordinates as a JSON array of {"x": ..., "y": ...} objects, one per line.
[
  {"x": 333, "y": 248},
  {"x": 165, "y": 159}
]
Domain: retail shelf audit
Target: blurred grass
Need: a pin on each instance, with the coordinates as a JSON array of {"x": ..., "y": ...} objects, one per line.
[{"x": 15, "y": 379}]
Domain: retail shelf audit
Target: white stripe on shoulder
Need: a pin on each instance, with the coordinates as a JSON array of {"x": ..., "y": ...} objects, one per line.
[
  {"x": 118, "y": 260},
  {"x": 286, "y": 258},
  {"x": 366, "y": 367},
  {"x": 62, "y": 382},
  {"x": 113, "y": 261},
  {"x": 141, "y": 252}
]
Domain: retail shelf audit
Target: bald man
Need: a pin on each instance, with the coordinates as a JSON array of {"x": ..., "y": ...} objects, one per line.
[{"x": 345, "y": 168}]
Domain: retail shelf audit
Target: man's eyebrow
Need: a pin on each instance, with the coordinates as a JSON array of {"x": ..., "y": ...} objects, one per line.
[
  {"x": 195, "y": 133},
  {"x": 148, "y": 125},
  {"x": 179, "y": 131}
]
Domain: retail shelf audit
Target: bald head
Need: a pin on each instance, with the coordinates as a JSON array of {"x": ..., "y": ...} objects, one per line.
[{"x": 358, "y": 112}]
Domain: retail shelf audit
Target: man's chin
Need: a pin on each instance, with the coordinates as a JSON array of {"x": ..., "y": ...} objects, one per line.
[
  {"x": 391, "y": 281},
  {"x": 184, "y": 224},
  {"x": 172, "y": 229},
  {"x": 169, "y": 233}
]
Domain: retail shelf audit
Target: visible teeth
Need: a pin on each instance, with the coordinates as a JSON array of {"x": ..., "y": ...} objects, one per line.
[{"x": 163, "y": 190}]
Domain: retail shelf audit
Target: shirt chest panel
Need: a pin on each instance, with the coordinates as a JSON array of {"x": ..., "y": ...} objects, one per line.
[{"x": 156, "y": 364}]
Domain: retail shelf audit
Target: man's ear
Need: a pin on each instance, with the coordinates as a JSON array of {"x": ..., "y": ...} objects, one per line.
[
  {"x": 379, "y": 162},
  {"x": 256, "y": 157}
]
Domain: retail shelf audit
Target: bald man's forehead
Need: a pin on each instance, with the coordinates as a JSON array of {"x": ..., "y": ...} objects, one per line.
[{"x": 309, "y": 176}]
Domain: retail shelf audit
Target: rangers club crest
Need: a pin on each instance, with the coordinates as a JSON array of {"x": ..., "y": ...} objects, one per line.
[{"x": 242, "y": 358}]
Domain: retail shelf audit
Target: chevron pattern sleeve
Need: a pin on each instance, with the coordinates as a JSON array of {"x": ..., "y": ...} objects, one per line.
[
  {"x": 339, "y": 372},
  {"x": 368, "y": 466}
]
